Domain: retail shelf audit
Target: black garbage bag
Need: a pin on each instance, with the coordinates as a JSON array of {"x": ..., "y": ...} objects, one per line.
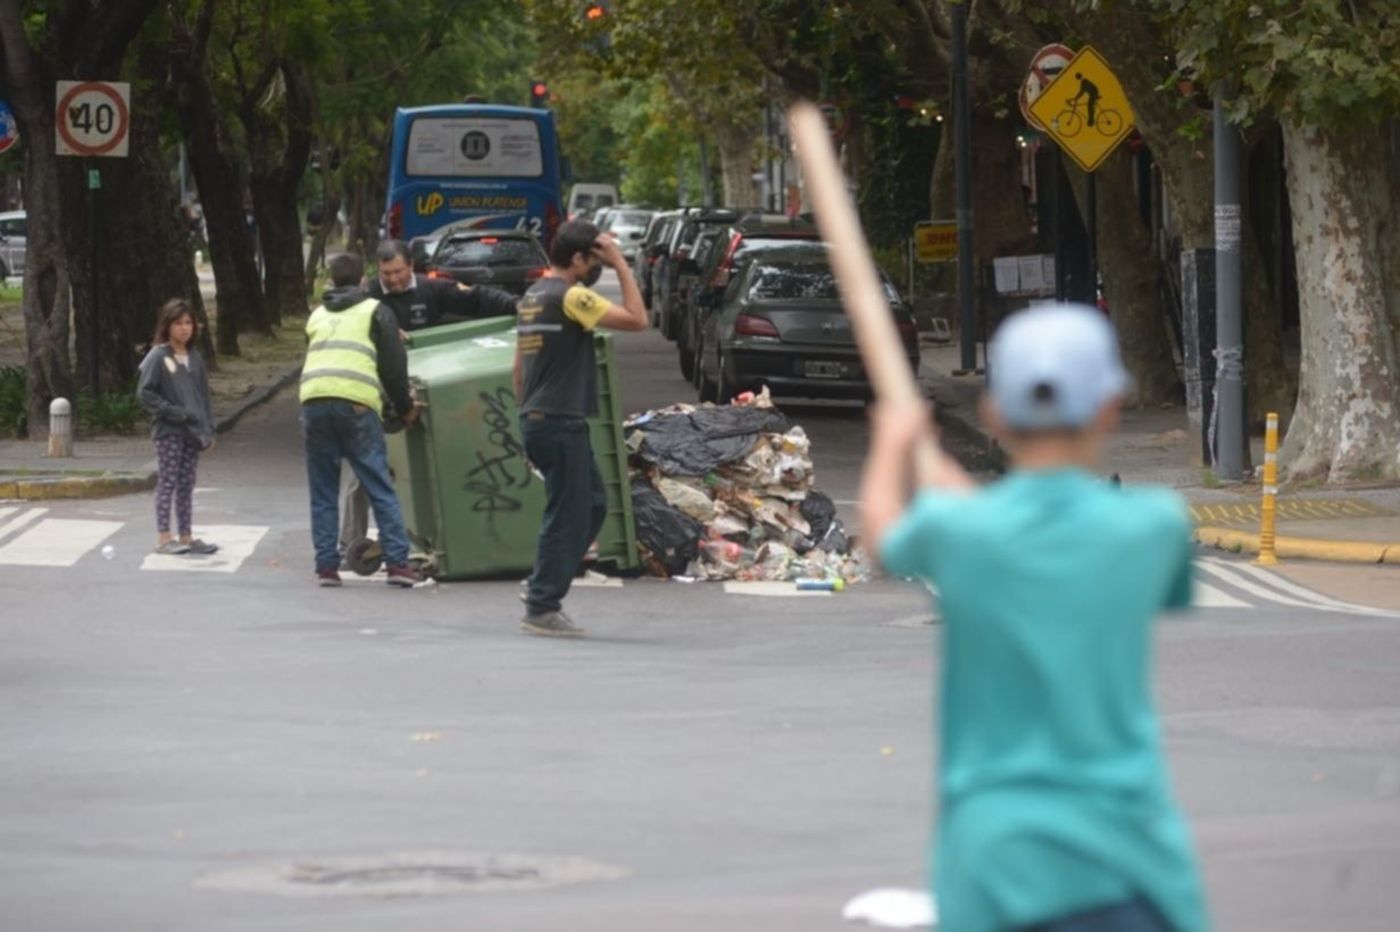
[
  {"x": 668, "y": 537},
  {"x": 818, "y": 511},
  {"x": 828, "y": 534},
  {"x": 694, "y": 444}
]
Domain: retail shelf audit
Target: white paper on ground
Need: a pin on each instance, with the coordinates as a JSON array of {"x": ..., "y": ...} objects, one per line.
[{"x": 893, "y": 908}]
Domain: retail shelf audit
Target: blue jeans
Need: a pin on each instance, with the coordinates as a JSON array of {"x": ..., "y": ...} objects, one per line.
[
  {"x": 1135, "y": 915},
  {"x": 333, "y": 430},
  {"x": 576, "y": 504}
]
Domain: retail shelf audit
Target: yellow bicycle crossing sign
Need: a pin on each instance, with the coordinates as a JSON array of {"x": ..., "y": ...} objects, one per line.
[{"x": 1085, "y": 110}]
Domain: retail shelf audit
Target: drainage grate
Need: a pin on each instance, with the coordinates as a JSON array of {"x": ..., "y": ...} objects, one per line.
[{"x": 410, "y": 874}]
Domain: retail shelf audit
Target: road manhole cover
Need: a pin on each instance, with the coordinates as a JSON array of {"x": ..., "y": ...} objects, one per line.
[{"x": 410, "y": 874}]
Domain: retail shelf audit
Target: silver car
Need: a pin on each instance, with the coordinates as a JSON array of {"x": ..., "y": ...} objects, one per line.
[
  {"x": 12, "y": 243},
  {"x": 628, "y": 226}
]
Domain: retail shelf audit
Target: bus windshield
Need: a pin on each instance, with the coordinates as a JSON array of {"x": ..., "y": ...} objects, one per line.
[{"x": 473, "y": 166}]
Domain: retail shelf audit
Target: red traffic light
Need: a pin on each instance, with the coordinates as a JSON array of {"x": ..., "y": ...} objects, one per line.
[
  {"x": 595, "y": 11},
  {"x": 539, "y": 89}
]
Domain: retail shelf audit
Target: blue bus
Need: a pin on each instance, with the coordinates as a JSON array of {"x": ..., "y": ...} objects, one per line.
[{"x": 473, "y": 166}]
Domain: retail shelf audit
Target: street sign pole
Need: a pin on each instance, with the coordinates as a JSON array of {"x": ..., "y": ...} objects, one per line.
[
  {"x": 962, "y": 141},
  {"x": 1229, "y": 411},
  {"x": 1056, "y": 194},
  {"x": 92, "y": 183},
  {"x": 1091, "y": 229}
]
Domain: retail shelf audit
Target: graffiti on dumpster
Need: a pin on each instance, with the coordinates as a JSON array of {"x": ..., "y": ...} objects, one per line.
[{"x": 501, "y": 465}]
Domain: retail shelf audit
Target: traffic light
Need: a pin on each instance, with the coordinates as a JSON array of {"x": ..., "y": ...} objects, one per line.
[
  {"x": 539, "y": 95},
  {"x": 594, "y": 12},
  {"x": 597, "y": 27}
]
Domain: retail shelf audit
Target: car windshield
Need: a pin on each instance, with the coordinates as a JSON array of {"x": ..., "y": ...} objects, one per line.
[
  {"x": 490, "y": 251},
  {"x": 809, "y": 280},
  {"x": 631, "y": 218}
]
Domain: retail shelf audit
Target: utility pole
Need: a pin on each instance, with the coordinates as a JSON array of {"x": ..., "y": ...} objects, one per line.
[
  {"x": 1228, "y": 421},
  {"x": 962, "y": 159}
]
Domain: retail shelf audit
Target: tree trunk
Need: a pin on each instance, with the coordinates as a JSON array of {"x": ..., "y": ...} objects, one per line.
[
  {"x": 1001, "y": 223},
  {"x": 1344, "y": 204},
  {"x": 1130, "y": 285},
  {"x": 281, "y": 147},
  {"x": 736, "y": 151},
  {"x": 45, "y": 304}
]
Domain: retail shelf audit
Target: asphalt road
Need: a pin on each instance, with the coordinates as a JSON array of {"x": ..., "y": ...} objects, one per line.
[{"x": 172, "y": 741}]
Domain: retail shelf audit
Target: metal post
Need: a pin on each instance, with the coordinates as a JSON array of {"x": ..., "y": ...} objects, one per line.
[
  {"x": 94, "y": 382},
  {"x": 911, "y": 274},
  {"x": 1055, "y": 223},
  {"x": 1229, "y": 352},
  {"x": 1091, "y": 229},
  {"x": 962, "y": 139},
  {"x": 1268, "y": 510}
]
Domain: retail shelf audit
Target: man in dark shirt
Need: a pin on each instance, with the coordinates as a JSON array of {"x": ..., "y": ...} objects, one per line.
[
  {"x": 427, "y": 302},
  {"x": 417, "y": 303},
  {"x": 556, "y": 375}
]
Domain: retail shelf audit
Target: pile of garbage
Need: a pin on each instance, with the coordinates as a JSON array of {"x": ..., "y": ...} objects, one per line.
[{"x": 725, "y": 492}]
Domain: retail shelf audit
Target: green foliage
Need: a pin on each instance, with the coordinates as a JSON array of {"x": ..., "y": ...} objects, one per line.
[
  {"x": 116, "y": 413},
  {"x": 13, "y": 419},
  {"x": 1329, "y": 63}
]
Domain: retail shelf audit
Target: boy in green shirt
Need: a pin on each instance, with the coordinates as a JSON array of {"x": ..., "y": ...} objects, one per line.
[{"x": 1055, "y": 810}]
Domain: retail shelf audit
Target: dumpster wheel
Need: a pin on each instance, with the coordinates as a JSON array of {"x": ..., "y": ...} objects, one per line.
[{"x": 364, "y": 557}]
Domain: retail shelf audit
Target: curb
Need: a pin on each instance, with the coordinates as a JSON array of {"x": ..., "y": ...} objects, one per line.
[
  {"x": 59, "y": 486},
  {"x": 1301, "y": 548},
  {"x": 46, "y": 489},
  {"x": 259, "y": 397}
]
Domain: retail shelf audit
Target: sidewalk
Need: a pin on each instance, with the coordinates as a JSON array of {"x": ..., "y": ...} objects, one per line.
[{"x": 1352, "y": 524}]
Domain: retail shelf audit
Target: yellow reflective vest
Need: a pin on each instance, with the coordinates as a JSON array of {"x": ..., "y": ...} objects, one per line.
[{"x": 341, "y": 360}]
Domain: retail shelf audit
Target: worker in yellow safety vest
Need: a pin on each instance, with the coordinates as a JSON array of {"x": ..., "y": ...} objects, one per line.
[{"x": 355, "y": 364}]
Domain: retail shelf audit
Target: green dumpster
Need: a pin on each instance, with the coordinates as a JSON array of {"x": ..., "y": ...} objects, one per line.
[{"x": 472, "y": 503}]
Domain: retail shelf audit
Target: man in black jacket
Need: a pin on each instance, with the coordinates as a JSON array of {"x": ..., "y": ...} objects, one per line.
[{"x": 427, "y": 302}]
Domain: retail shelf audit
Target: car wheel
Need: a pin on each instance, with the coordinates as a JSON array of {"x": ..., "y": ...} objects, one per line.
[
  {"x": 707, "y": 388},
  {"x": 687, "y": 359},
  {"x": 668, "y": 324}
]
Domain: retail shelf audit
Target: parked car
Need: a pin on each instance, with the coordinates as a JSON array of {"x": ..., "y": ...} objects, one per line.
[
  {"x": 689, "y": 283},
  {"x": 739, "y": 240},
  {"x": 653, "y": 243},
  {"x": 421, "y": 250},
  {"x": 667, "y": 269},
  {"x": 602, "y": 217},
  {"x": 780, "y": 323},
  {"x": 628, "y": 225},
  {"x": 511, "y": 260},
  {"x": 13, "y": 239}
]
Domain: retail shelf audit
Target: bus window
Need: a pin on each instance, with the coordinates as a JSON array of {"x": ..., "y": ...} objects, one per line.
[{"x": 473, "y": 166}]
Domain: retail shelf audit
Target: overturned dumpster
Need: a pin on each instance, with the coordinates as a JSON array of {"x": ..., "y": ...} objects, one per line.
[{"x": 471, "y": 501}]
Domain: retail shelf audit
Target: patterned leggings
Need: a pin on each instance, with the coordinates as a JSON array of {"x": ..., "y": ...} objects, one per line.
[{"x": 177, "y": 458}]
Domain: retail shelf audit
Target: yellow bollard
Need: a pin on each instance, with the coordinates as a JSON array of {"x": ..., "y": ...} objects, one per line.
[{"x": 1268, "y": 510}]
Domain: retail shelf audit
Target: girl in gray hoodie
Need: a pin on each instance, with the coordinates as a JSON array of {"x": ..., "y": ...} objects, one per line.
[{"x": 174, "y": 388}]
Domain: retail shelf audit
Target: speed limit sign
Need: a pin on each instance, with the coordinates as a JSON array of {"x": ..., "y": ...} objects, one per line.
[{"x": 92, "y": 117}]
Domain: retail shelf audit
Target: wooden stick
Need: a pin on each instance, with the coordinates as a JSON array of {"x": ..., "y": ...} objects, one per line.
[{"x": 876, "y": 334}]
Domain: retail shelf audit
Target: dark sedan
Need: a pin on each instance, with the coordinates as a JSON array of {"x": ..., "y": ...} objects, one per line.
[
  {"x": 511, "y": 260},
  {"x": 780, "y": 323}
]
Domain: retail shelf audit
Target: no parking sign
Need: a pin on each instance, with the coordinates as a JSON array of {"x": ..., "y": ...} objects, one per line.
[{"x": 9, "y": 127}]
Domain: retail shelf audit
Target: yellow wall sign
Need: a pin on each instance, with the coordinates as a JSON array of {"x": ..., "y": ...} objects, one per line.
[
  {"x": 1085, "y": 110},
  {"x": 936, "y": 240}
]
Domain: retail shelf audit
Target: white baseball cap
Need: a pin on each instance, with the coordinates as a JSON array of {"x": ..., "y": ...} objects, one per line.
[{"x": 1054, "y": 366}]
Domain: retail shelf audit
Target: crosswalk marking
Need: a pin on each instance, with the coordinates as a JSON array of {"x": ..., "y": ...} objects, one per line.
[
  {"x": 236, "y": 543},
  {"x": 28, "y": 517},
  {"x": 1308, "y": 597},
  {"x": 56, "y": 541},
  {"x": 6, "y": 512},
  {"x": 1206, "y": 596}
]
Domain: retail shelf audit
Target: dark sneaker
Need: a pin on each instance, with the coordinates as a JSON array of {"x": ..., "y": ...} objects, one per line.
[
  {"x": 201, "y": 547},
  {"x": 405, "y": 577},
  {"x": 327, "y": 579},
  {"x": 551, "y": 625},
  {"x": 173, "y": 547}
]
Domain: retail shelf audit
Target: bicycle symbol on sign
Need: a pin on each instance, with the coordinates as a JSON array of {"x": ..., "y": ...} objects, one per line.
[{"x": 1070, "y": 122}]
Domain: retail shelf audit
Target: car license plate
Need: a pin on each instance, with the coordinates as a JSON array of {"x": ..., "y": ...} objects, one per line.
[{"x": 824, "y": 370}]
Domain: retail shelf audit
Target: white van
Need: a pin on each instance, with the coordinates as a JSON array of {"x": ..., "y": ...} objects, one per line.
[{"x": 586, "y": 199}]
